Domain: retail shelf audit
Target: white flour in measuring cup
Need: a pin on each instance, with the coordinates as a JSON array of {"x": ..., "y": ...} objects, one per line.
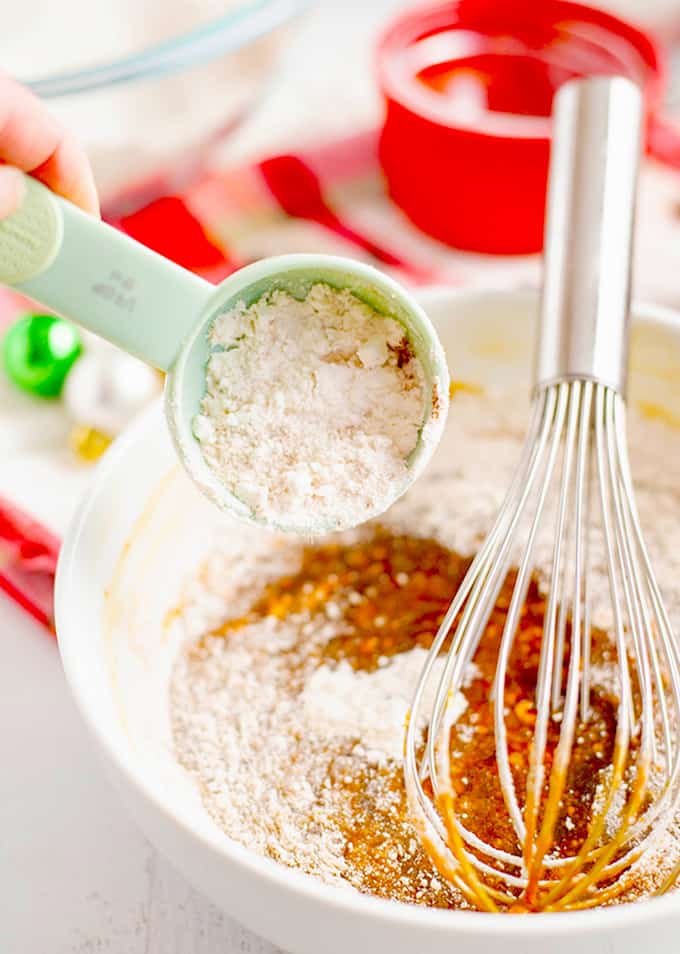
[{"x": 311, "y": 407}]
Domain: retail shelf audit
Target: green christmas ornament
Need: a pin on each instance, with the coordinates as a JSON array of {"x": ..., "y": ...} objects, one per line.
[{"x": 38, "y": 352}]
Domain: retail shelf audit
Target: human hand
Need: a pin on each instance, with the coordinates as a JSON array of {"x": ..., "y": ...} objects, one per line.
[{"x": 32, "y": 140}]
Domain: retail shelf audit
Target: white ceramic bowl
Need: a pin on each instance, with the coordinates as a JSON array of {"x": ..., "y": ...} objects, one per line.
[{"x": 141, "y": 528}]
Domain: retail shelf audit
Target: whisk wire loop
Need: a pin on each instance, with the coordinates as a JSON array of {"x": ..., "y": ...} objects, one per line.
[{"x": 572, "y": 486}]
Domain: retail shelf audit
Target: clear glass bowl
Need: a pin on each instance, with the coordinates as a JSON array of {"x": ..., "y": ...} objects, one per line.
[{"x": 147, "y": 85}]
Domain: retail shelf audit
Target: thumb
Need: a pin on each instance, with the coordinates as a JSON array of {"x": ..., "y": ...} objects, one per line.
[{"x": 12, "y": 189}]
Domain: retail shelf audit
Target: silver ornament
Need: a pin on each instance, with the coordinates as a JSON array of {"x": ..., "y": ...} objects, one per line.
[{"x": 106, "y": 388}]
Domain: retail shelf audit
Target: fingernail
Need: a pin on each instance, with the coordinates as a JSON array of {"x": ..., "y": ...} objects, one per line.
[{"x": 12, "y": 190}]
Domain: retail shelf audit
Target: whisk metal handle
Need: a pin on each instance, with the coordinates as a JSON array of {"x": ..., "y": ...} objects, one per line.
[{"x": 589, "y": 232}]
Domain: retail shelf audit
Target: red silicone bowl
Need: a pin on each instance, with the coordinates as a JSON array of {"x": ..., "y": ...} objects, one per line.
[{"x": 468, "y": 88}]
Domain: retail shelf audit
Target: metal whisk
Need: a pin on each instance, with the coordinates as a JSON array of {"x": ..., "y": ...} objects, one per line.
[{"x": 573, "y": 480}]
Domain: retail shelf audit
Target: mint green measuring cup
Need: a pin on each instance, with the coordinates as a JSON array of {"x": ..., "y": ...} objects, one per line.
[{"x": 161, "y": 313}]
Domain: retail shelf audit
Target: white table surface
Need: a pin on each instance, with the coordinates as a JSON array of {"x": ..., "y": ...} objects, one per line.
[{"x": 76, "y": 877}]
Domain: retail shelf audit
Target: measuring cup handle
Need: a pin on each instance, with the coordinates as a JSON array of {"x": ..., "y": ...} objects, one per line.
[{"x": 99, "y": 277}]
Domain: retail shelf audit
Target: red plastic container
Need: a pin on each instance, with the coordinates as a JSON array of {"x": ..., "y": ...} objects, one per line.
[{"x": 468, "y": 88}]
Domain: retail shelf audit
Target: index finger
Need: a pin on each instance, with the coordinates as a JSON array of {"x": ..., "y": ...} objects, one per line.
[{"x": 32, "y": 140}]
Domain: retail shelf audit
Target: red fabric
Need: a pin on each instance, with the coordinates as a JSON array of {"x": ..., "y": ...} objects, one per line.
[
  {"x": 168, "y": 227},
  {"x": 28, "y": 562}
]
